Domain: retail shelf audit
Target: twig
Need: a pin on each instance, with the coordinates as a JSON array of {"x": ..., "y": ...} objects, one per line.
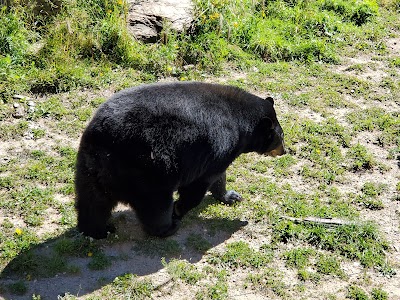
[{"x": 319, "y": 221}]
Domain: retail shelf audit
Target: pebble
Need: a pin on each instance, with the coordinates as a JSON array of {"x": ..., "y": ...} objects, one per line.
[
  {"x": 22, "y": 97},
  {"x": 18, "y": 111}
]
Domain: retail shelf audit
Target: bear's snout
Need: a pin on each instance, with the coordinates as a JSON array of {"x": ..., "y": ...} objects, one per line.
[{"x": 280, "y": 150}]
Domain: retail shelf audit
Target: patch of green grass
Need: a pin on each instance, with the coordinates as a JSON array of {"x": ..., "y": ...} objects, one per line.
[
  {"x": 198, "y": 242},
  {"x": 361, "y": 242},
  {"x": 369, "y": 197},
  {"x": 214, "y": 291},
  {"x": 18, "y": 288},
  {"x": 180, "y": 269},
  {"x": 354, "y": 11},
  {"x": 305, "y": 275},
  {"x": 13, "y": 242},
  {"x": 13, "y": 131},
  {"x": 326, "y": 204},
  {"x": 395, "y": 62},
  {"x": 321, "y": 143},
  {"x": 239, "y": 254},
  {"x": 78, "y": 247},
  {"x": 377, "y": 119},
  {"x": 360, "y": 158},
  {"x": 379, "y": 294},
  {"x": 268, "y": 279},
  {"x": 329, "y": 265},
  {"x": 99, "y": 261},
  {"x": 356, "y": 293},
  {"x": 36, "y": 265},
  {"x": 31, "y": 202},
  {"x": 128, "y": 286},
  {"x": 298, "y": 257},
  {"x": 86, "y": 41},
  {"x": 15, "y": 35},
  {"x": 282, "y": 165}
]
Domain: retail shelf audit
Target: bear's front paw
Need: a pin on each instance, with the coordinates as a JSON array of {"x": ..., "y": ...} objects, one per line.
[
  {"x": 98, "y": 233},
  {"x": 232, "y": 197}
]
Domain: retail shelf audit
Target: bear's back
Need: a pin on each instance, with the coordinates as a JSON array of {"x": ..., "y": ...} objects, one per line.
[{"x": 167, "y": 117}]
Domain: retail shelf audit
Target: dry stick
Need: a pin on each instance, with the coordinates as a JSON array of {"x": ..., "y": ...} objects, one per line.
[{"x": 319, "y": 221}]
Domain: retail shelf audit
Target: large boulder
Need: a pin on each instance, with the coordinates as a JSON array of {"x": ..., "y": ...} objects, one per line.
[{"x": 147, "y": 18}]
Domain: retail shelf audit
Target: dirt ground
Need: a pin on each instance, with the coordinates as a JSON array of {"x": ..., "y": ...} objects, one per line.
[{"x": 87, "y": 283}]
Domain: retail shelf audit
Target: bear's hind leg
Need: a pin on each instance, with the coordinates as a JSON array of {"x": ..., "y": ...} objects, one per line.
[
  {"x": 189, "y": 197},
  {"x": 94, "y": 208},
  {"x": 155, "y": 211}
]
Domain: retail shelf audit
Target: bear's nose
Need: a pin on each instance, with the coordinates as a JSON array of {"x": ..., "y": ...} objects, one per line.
[{"x": 280, "y": 150}]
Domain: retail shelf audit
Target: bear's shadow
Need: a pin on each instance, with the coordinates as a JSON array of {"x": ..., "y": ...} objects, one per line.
[{"x": 72, "y": 264}]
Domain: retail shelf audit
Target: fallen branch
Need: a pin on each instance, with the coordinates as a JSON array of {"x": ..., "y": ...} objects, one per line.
[{"x": 319, "y": 221}]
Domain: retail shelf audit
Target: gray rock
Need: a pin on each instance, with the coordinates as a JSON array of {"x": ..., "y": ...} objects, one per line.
[
  {"x": 147, "y": 18},
  {"x": 19, "y": 111}
]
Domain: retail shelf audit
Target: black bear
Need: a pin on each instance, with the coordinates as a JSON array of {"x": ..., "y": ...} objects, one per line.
[{"x": 146, "y": 142}]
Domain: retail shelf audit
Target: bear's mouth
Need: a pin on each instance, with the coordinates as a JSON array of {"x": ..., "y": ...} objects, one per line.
[{"x": 280, "y": 150}]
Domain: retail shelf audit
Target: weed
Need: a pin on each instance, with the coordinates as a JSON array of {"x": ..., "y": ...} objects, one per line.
[
  {"x": 198, "y": 243},
  {"x": 99, "y": 261},
  {"x": 129, "y": 287},
  {"x": 356, "y": 293},
  {"x": 379, "y": 294},
  {"x": 268, "y": 279},
  {"x": 239, "y": 254},
  {"x": 305, "y": 275},
  {"x": 360, "y": 242},
  {"x": 377, "y": 119},
  {"x": 298, "y": 257},
  {"x": 22, "y": 240},
  {"x": 369, "y": 197},
  {"x": 282, "y": 164},
  {"x": 215, "y": 291},
  {"x": 328, "y": 264},
  {"x": 360, "y": 158},
  {"x": 180, "y": 269},
  {"x": 78, "y": 247},
  {"x": 18, "y": 288}
]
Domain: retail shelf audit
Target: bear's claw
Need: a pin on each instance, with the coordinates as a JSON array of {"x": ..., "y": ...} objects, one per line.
[{"x": 232, "y": 197}]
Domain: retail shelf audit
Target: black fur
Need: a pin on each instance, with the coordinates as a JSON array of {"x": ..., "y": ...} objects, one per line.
[{"x": 147, "y": 142}]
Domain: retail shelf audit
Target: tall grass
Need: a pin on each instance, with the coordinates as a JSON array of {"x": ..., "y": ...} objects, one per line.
[{"x": 71, "y": 48}]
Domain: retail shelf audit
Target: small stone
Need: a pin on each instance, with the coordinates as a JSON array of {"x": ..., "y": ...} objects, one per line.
[
  {"x": 188, "y": 67},
  {"x": 21, "y": 97},
  {"x": 31, "y": 103},
  {"x": 16, "y": 105},
  {"x": 19, "y": 112}
]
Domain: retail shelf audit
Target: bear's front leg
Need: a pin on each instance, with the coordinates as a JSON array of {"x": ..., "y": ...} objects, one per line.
[{"x": 219, "y": 192}]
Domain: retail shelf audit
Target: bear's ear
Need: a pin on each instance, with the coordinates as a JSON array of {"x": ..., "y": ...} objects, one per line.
[
  {"x": 270, "y": 99},
  {"x": 265, "y": 124}
]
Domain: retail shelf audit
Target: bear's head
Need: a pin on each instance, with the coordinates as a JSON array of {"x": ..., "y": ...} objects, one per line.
[{"x": 268, "y": 135}]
